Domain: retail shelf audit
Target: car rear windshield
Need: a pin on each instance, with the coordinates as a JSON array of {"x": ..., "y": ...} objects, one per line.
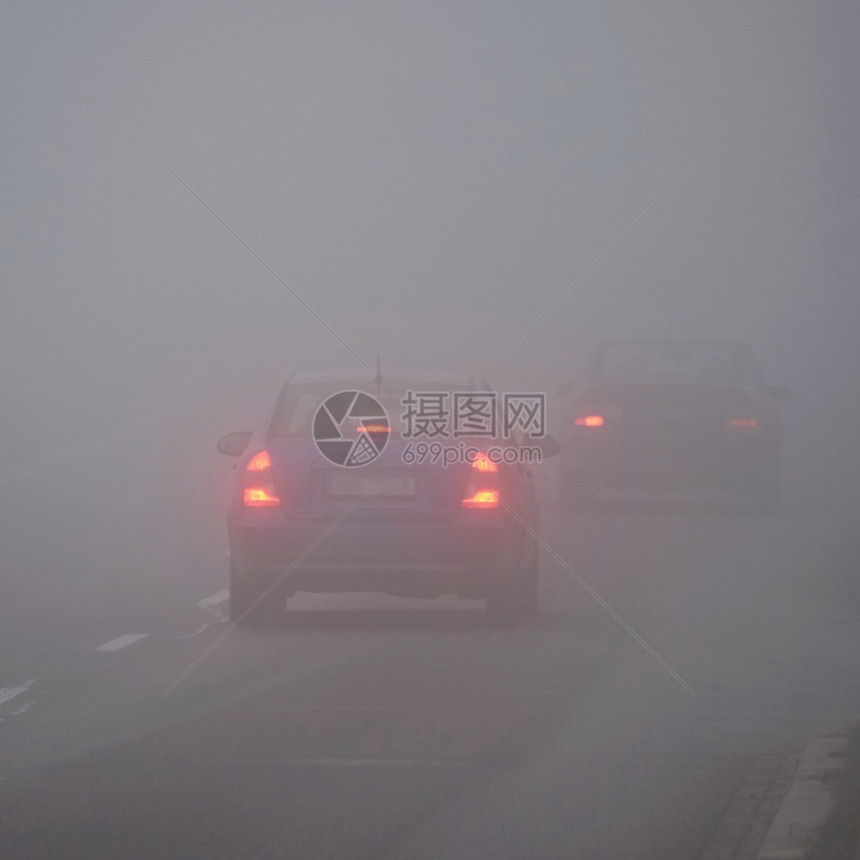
[
  {"x": 710, "y": 364},
  {"x": 298, "y": 404}
]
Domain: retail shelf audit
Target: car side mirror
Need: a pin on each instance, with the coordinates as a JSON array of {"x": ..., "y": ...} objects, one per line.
[
  {"x": 778, "y": 392},
  {"x": 234, "y": 444}
]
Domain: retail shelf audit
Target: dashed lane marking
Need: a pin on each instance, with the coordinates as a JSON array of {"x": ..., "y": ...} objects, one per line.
[
  {"x": 359, "y": 762},
  {"x": 214, "y": 599},
  {"x": 122, "y": 641},
  {"x": 9, "y": 693}
]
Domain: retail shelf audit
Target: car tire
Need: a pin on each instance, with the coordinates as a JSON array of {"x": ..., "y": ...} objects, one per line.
[
  {"x": 765, "y": 495},
  {"x": 241, "y": 611},
  {"x": 505, "y": 604},
  {"x": 244, "y": 608}
]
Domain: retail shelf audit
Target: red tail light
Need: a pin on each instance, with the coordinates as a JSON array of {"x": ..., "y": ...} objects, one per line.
[
  {"x": 481, "y": 489},
  {"x": 483, "y": 463},
  {"x": 374, "y": 428},
  {"x": 259, "y": 490},
  {"x": 259, "y": 462},
  {"x": 588, "y": 421},
  {"x": 747, "y": 423},
  {"x": 481, "y": 499},
  {"x": 260, "y": 497}
]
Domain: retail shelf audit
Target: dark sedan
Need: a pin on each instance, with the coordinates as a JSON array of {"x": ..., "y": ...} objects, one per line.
[
  {"x": 658, "y": 419},
  {"x": 331, "y": 496}
]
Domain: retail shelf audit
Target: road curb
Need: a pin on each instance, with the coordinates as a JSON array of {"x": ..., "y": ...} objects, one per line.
[{"x": 808, "y": 801}]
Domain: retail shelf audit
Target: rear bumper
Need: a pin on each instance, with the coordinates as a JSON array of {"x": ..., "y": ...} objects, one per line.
[
  {"x": 468, "y": 554},
  {"x": 721, "y": 466}
]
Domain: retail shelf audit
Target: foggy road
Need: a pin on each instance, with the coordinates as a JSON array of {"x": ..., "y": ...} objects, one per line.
[
  {"x": 198, "y": 200},
  {"x": 373, "y": 727}
]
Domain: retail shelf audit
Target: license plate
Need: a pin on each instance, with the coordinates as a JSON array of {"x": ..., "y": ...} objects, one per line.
[{"x": 351, "y": 485}]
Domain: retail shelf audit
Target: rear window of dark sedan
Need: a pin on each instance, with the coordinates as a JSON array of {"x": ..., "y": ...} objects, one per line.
[{"x": 703, "y": 363}]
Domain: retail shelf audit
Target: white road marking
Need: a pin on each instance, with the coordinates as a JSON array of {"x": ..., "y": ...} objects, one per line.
[
  {"x": 9, "y": 693},
  {"x": 122, "y": 641},
  {"x": 362, "y": 762},
  {"x": 214, "y": 599},
  {"x": 336, "y": 707},
  {"x": 210, "y": 604}
]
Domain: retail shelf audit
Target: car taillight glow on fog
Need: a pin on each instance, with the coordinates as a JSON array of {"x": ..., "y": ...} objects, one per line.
[
  {"x": 259, "y": 462},
  {"x": 260, "y": 497},
  {"x": 588, "y": 421},
  {"x": 748, "y": 423},
  {"x": 259, "y": 490},
  {"x": 482, "y": 499},
  {"x": 483, "y": 463},
  {"x": 373, "y": 428},
  {"x": 482, "y": 492}
]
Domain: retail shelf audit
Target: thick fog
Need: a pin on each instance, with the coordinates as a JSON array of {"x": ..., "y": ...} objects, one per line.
[{"x": 198, "y": 199}]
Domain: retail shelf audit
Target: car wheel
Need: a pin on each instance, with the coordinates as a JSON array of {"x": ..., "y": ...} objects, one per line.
[
  {"x": 766, "y": 491},
  {"x": 505, "y": 605},
  {"x": 244, "y": 608}
]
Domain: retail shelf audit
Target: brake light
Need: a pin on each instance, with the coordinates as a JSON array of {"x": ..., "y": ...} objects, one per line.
[
  {"x": 374, "y": 428},
  {"x": 747, "y": 423},
  {"x": 483, "y": 463},
  {"x": 588, "y": 421},
  {"x": 259, "y": 462},
  {"x": 260, "y": 497},
  {"x": 482, "y": 499},
  {"x": 259, "y": 490},
  {"x": 482, "y": 492}
]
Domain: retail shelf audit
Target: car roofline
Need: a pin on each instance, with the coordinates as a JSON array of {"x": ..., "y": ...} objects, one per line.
[{"x": 357, "y": 377}]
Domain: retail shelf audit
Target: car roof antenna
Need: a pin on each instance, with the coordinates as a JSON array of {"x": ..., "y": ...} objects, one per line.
[{"x": 378, "y": 378}]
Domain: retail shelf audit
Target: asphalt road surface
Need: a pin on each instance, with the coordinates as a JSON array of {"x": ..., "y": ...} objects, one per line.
[{"x": 135, "y": 723}]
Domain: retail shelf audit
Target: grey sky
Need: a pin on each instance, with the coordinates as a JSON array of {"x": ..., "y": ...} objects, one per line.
[{"x": 428, "y": 177}]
